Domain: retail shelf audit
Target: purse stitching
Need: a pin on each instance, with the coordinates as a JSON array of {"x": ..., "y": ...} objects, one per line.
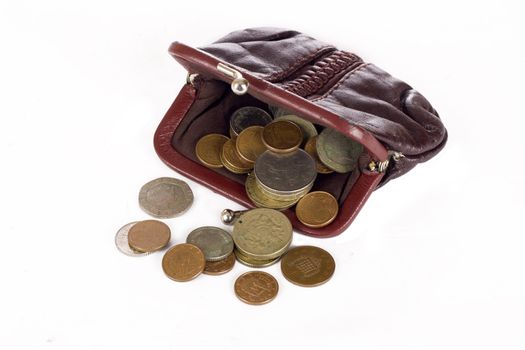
[{"x": 336, "y": 86}]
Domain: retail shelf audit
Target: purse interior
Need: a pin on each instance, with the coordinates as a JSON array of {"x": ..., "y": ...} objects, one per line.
[{"x": 210, "y": 113}]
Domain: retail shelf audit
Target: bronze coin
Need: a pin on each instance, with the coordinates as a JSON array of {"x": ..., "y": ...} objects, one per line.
[
  {"x": 282, "y": 136},
  {"x": 256, "y": 287},
  {"x": 219, "y": 267},
  {"x": 311, "y": 148},
  {"x": 317, "y": 209},
  {"x": 149, "y": 236},
  {"x": 232, "y": 160},
  {"x": 208, "y": 150},
  {"x": 183, "y": 262},
  {"x": 249, "y": 144},
  {"x": 307, "y": 128},
  {"x": 250, "y": 262},
  {"x": 307, "y": 266}
]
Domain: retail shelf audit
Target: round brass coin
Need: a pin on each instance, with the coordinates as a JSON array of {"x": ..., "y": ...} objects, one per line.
[
  {"x": 214, "y": 242},
  {"x": 262, "y": 234},
  {"x": 249, "y": 144},
  {"x": 208, "y": 150},
  {"x": 183, "y": 262},
  {"x": 245, "y": 117},
  {"x": 282, "y": 136},
  {"x": 317, "y": 209},
  {"x": 165, "y": 197},
  {"x": 337, "y": 151},
  {"x": 256, "y": 287},
  {"x": 261, "y": 200},
  {"x": 149, "y": 236},
  {"x": 232, "y": 160},
  {"x": 307, "y": 266},
  {"x": 307, "y": 128},
  {"x": 245, "y": 260},
  {"x": 311, "y": 148},
  {"x": 220, "y": 267}
]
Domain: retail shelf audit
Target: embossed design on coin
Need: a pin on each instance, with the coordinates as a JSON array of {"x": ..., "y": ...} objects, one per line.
[
  {"x": 262, "y": 234},
  {"x": 245, "y": 117},
  {"x": 307, "y": 266},
  {"x": 220, "y": 267},
  {"x": 183, "y": 262},
  {"x": 215, "y": 243},
  {"x": 256, "y": 287},
  {"x": 311, "y": 148},
  {"x": 337, "y": 151},
  {"x": 149, "y": 236},
  {"x": 249, "y": 144},
  {"x": 282, "y": 136},
  {"x": 208, "y": 150},
  {"x": 317, "y": 209},
  {"x": 165, "y": 197},
  {"x": 121, "y": 241},
  {"x": 307, "y": 128}
]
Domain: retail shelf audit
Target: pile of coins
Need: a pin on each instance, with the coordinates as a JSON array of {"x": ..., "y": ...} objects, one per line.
[{"x": 280, "y": 173}]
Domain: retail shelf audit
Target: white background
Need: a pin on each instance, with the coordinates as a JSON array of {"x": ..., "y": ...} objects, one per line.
[{"x": 434, "y": 261}]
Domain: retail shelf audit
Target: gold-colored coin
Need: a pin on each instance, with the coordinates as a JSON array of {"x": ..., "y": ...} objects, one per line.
[
  {"x": 307, "y": 128},
  {"x": 219, "y": 267},
  {"x": 183, "y": 262},
  {"x": 307, "y": 266},
  {"x": 249, "y": 143},
  {"x": 208, "y": 150},
  {"x": 232, "y": 160},
  {"x": 256, "y": 287},
  {"x": 317, "y": 209},
  {"x": 245, "y": 260},
  {"x": 264, "y": 200},
  {"x": 311, "y": 148},
  {"x": 148, "y": 236},
  {"x": 282, "y": 136}
]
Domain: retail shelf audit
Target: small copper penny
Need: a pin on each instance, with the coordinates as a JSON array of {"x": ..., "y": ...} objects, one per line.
[
  {"x": 311, "y": 148},
  {"x": 249, "y": 143},
  {"x": 208, "y": 150},
  {"x": 282, "y": 136},
  {"x": 307, "y": 266},
  {"x": 317, "y": 209},
  {"x": 256, "y": 287},
  {"x": 183, "y": 262},
  {"x": 232, "y": 160},
  {"x": 149, "y": 236},
  {"x": 220, "y": 267}
]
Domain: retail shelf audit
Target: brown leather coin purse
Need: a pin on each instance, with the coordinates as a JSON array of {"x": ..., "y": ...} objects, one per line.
[{"x": 396, "y": 125}]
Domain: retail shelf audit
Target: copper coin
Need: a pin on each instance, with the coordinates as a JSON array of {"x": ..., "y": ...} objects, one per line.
[
  {"x": 208, "y": 150},
  {"x": 121, "y": 241},
  {"x": 149, "y": 236},
  {"x": 317, "y": 209},
  {"x": 307, "y": 266},
  {"x": 219, "y": 267},
  {"x": 282, "y": 136},
  {"x": 183, "y": 262},
  {"x": 245, "y": 117},
  {"x": 256, "y": 287},
  {"x": 311, "y": 148},
  {"x": 250, "y": 262},
  {"x": 249, "y": 144},
  {"x": 232, "y": 160}
]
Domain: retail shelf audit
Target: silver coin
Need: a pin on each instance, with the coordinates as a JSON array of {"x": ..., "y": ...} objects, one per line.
[
  {"x": 287, "y": 172},
  {"x": 121, "y": 241},
  {"x": 165, "y": 197},
  {"x": 248, "y": 116},
  {"x": 307, "y": 128},
  {"x": 215, "y": 243},
  {"x": 277, "y": 111},
  {"x": 337, "y": 151}
]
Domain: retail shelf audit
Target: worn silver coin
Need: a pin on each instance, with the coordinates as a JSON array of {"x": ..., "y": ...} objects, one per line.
[
  {"x": 337, "y": 151},
  {"x": 215, "y": 243},
  {"x": 165, "y": 197},
  {"x": 287, "y": 172},
  {"x": 121, "y": 241},
  {"x": 248, "y": 116}
]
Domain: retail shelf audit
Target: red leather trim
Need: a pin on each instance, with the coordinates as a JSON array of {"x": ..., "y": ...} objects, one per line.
[{"x": 358, "y": 195}]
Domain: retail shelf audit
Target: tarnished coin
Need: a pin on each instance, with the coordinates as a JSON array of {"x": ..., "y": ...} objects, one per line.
[
  {"x": 249, "y": 143},
  {"x": 215, "y": 243},
  {"x": 245, "y": 260},
  {"x": 262, "y": 234},
  {"x": 183, "y": 262},
  {"x": 232, "y": 160},
  {"x": 121, "y": 241},
  {"x": 286, "y": 173},
  {"x": 282, "y": 136},
  {"x": 220, "y": 267},
  {"x": 165, "y": 197},
  {"x": 262, "y": 200},
  {"x": 307, "y": 266},
  {"x": 208, "y": 150},
  {"x": 247, "y": 116},
  {"x": 317, "y": 209},
  {"x": 256, "y": 287},
  {"x": 337, "y": 151},
  {"x": 311, "y": 148},
  {"x": 149, "y": 236},
  {"x": 307, "y": 128}
]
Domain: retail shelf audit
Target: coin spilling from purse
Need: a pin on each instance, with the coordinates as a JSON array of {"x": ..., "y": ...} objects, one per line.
[{"x": 259, "y": 238}]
